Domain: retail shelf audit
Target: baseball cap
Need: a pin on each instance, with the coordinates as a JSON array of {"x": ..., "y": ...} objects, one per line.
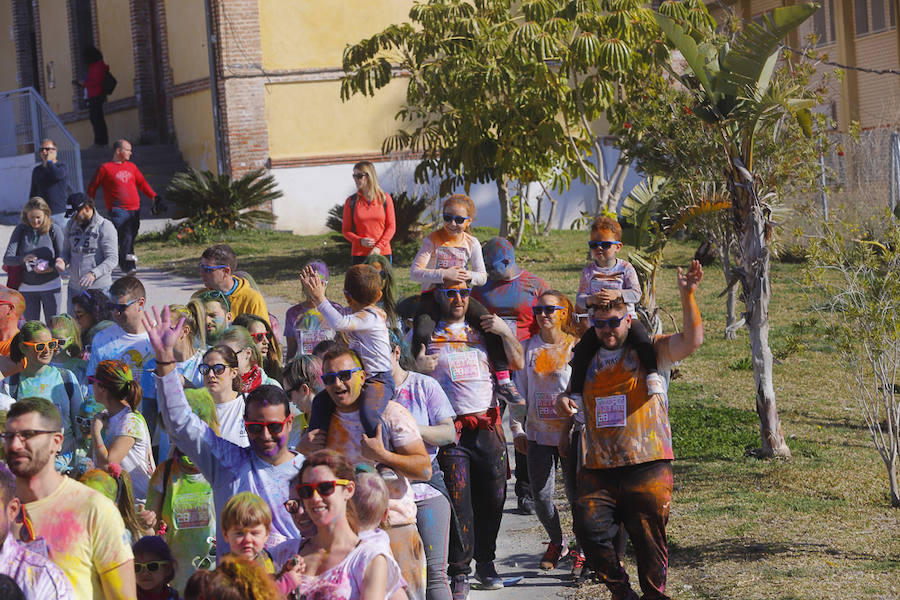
[{"x": 75, "y": 202}]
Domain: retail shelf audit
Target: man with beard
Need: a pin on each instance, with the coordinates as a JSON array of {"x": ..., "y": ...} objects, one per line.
[
  {"x": 90, "y": 249},
  {"x": 37, "y": 576},
  {"x": 83, "y": 531},
  {"x": 264, "y": 468},
  {"x": 627, "y": 474}
]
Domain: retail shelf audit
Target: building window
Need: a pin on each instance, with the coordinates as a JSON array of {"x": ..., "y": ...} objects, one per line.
[
  {"x": 823, "y": 24},
  {"x": 872, "y": 16},
  {"x": 83, "y": 32},
  {"x": 861, "y": 16}
]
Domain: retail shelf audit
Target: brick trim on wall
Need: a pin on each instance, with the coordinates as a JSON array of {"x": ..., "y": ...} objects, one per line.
[
  {"x": 110, "y": 107},
  {"x": 187, "y": 87},
  {"x": 337, "y": 159}
]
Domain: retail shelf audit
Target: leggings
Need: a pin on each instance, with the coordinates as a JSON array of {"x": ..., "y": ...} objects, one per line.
[
  {"x": 433, "y": 521},
  {"x": 475, "y": 474},
  {"x": 542, "y": 463},
  {"x": 51, "y": 301}
]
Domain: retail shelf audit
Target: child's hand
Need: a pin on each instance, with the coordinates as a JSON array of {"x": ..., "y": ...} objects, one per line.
[
  {"x": 605, "y": 296},
  {"x": 426, "y": 363},
  {"x": 688, "y": 282},
  {"x": 292, "y": 573},
  {"x": 454, "y": 275},
  {"x": 565, "y": 406},
  {"x": 313, "y": 285},
  {"x": 372, "y": 448},
  {"x": 494, "y": 324}
]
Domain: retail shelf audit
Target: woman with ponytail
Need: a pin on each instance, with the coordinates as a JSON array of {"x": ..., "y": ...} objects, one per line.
[
  {"x": 191, "y": 344},
  {"x": 115, "y": 484},
  {"x": 120, "y": 434},
  {"x": 35, "y": 344}
]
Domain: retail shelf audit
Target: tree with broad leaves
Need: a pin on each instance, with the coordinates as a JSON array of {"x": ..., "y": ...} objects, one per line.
[{"x": 737, "y": 95}]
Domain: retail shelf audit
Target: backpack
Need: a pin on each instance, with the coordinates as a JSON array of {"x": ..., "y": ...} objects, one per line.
[{"x": 109, "y": 83}]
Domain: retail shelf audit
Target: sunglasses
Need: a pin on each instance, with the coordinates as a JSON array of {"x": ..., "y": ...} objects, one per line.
[
  {"x": 325, "y": 488},
  {"x": 47, "y": 149},
  {"x": 454, "y": 293},
  {"x": 458, "y": 219},
  {"x": 611, "y": 322},
  {"x": 83, "y": 420},
  {"x": 41, "y": 346},
  {"x": 604, "y": 244},
  {"x": 152, "y": 567},
  {"x": 259, "y": 337},
  {"x": 211, "y": 268},
  {"x": 120, "y": 307},
  {"x": 358, "y": 175},
  {"x": 547, "y": 309},
  {"x": 292, "y": 506},
  {"x": 345, "y": 375},
  {"x": 256, "y": 427},
  {"x": 217, "y": 369}
]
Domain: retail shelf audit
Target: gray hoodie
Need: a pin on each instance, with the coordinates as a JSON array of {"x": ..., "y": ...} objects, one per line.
[
  {"x": 93, "y": 247},
  {"x": 45, "y": 246}
]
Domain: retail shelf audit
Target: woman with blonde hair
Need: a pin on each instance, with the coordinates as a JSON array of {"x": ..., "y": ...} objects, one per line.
[
  {"x": 368, "y": 217},
  {"x": 35, "y": 250}
]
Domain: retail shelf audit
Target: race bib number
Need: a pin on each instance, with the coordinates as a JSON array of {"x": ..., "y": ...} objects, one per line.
[
  {"x": 604, "y": 283},
  {"x": 463, "y": 366},
  {"x": 546, "y": 406},
  {"x": 310, "y": 338},
  {"x": 611, "y": 411},
  {"x": 450, "y": 256},
  {"x": 191, "y": 510}
]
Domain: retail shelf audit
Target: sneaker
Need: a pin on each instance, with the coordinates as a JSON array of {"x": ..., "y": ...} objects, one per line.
[
  {"x": 510, "y": 393},
  {"x": 459, "y": 587},
  {"x": 525, "y": 505},
  {"x": 552, "y": 555},
  {"x": 577, "y": 563},
  {"x": 132, "y": 258},
  {"x": 487, "y": 577}
]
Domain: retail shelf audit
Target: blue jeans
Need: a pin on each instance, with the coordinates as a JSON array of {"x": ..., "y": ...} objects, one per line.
[
  {"x": 127, "y": 224},
  {"x": 433, "y": 522},
  {"x": 49, "y": 300}
]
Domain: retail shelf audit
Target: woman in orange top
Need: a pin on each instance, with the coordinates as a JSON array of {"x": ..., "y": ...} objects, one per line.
[{"x": 369, "y": 223}]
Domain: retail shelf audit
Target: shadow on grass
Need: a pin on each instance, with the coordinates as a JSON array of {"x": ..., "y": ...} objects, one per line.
[{"x": 740, "y": 549}]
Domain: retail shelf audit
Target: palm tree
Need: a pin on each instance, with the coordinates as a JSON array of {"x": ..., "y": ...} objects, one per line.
[
  {"x": 218, "y": 202},
  {"x": 738, "y": 95}
]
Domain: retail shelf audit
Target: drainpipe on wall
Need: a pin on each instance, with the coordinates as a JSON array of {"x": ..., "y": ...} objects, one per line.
[{"x": 214, "y": 87}]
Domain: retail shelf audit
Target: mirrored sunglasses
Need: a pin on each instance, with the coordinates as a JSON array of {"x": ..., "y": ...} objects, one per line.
[
  {"x": 41, "y": 346},
  {"x": 217, "y": 369}
]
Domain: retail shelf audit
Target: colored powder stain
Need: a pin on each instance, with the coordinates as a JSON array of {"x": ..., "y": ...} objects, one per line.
[
  {"x": 63, "y": 531},
  {"x": 550, "y": 360}
]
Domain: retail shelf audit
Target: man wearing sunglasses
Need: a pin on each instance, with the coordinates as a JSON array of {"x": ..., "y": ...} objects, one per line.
[
  {"x": 264, "y": 468},
  {"x": 217, "y": 266},
  {"x": 82, "y": 530},
  {"x": 475, "y": 467},
  {"x": 48, "y": 181},
  {"x": 510, "y": 292},
  {"x": 627, "y": 473}
]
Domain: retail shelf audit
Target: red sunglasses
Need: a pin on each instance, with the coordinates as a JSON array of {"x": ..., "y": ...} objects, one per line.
[{"x": 274, "y": 427}]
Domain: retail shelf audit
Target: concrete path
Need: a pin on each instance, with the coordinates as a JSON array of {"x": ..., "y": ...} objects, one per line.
[{"x": 521, "y": 540}]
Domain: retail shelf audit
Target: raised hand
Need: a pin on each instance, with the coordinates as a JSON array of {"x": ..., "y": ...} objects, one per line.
[
  {"x": 688, "y": 282},
  {"x": 313, "y": 284},
  {"x": 163, "y": 336}
]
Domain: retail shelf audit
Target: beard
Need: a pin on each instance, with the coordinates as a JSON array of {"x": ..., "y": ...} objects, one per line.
[{"x": 28, "y": 464}]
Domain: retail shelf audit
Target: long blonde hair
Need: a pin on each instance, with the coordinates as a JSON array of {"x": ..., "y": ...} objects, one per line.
[
  {"x": 373, "y": 191},
  {"x": 37, "y": 203}
]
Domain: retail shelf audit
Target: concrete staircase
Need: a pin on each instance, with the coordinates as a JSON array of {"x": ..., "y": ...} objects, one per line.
[{"x": 159, "y": 164}]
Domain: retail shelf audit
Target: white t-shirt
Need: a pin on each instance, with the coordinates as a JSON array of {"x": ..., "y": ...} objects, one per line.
[
  {"x": 367, "y": 333},
  {"x": 462, "y": 369},
  {"x": 231, "y": 421},
  {"x": 139, "y": 461},
  {"x": 133, "y": 349},
  {"x": 544, "y": 377}
]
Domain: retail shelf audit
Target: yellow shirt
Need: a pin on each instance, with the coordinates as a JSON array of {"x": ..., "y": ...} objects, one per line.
[
  {"x": 245, "y": 300},
  {"x": 84, "y": 533}
]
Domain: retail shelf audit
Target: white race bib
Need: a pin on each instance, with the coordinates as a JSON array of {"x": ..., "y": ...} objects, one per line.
[
  {"x": 546, "y": 406},
  {"x": 450, "y": 256},
  {"x": 191, "y": 510},
  {"x": 310, "y": 338},
  {"x": 464, "y": 366},
  {"x": 611, "y": 411}
]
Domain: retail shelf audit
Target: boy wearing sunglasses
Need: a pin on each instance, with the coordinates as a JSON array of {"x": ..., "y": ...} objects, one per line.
[
  {"x": 264, "y": 467},
  {"x": 605, "y": 279},
  {"x": 217, "y": 267}
]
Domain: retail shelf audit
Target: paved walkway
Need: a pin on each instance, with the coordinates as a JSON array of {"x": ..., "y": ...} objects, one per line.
[{"x": 521, "y": 541}]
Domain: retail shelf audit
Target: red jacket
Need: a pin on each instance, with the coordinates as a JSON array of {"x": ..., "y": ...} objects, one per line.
[
  {"x": 93, "y": 81},
  {"x": 372, "y": 220},
  {"x": 120, "y": 183}
]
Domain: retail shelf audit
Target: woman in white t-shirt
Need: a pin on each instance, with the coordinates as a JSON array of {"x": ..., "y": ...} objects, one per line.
[
  {"x": 219, "y": 369},
  {"x": 120, "y": 433}
]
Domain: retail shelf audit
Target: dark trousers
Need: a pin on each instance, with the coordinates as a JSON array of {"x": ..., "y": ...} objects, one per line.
[
  {"x": 587, "y": 347},
  {"x": 358, "y": 260},
  {"x": 98, "y": 122},
  {"x": 475, "y": 474},
  {"x": 523, "y": 481},
  {"x": 639, "y": 498},
  {"x": 127, "y": 224},
  {"x": 428, "y": 313}
]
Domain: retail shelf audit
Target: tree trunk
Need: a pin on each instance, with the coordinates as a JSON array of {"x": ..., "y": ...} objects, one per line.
[
  {"x": 756, "y": 293},
  {"x": 523, "y": 221},
  {"x": 892, "y": 478},
  {"x": 503, "y": 197},
  {"x": 731, "y": 293}
]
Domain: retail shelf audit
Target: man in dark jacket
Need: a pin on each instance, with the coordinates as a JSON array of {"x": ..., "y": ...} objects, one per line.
[
  {"x": 91, "y": 248},
  {"x": 48, "y": 180}
]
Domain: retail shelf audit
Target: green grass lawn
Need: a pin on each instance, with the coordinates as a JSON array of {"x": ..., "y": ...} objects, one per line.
[{"x": 816, "y": 526}]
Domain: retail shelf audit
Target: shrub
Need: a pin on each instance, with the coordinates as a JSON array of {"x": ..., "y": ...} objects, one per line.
[
  {"x": 217, "y": 202},
  {"x": 407, "y": 213}
]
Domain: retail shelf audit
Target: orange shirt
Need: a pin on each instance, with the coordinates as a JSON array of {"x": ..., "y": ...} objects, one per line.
[
  {"x": 5, "y": 344},
  {"x": 369, "y": 220}
]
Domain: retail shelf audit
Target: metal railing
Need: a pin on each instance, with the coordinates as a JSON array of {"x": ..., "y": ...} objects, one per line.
[{"x": 25, "y": 120}]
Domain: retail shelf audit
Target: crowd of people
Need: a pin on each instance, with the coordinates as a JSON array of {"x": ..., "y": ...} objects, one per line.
[{"x": 354, "y": 449}]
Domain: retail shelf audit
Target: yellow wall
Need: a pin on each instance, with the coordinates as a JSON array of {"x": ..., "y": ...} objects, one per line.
[
  {"x": 56, "y": 50},
  {"x": 122, "y": 124},
  {"x": 186, "y": 28},
  {"x": 304, "y": 34},
  {"x": 309, "y": 119},
  {"x": 114, "y": 20},
  {"x": 193, "y": 119},
  {"x": 8, "y": 64}
]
